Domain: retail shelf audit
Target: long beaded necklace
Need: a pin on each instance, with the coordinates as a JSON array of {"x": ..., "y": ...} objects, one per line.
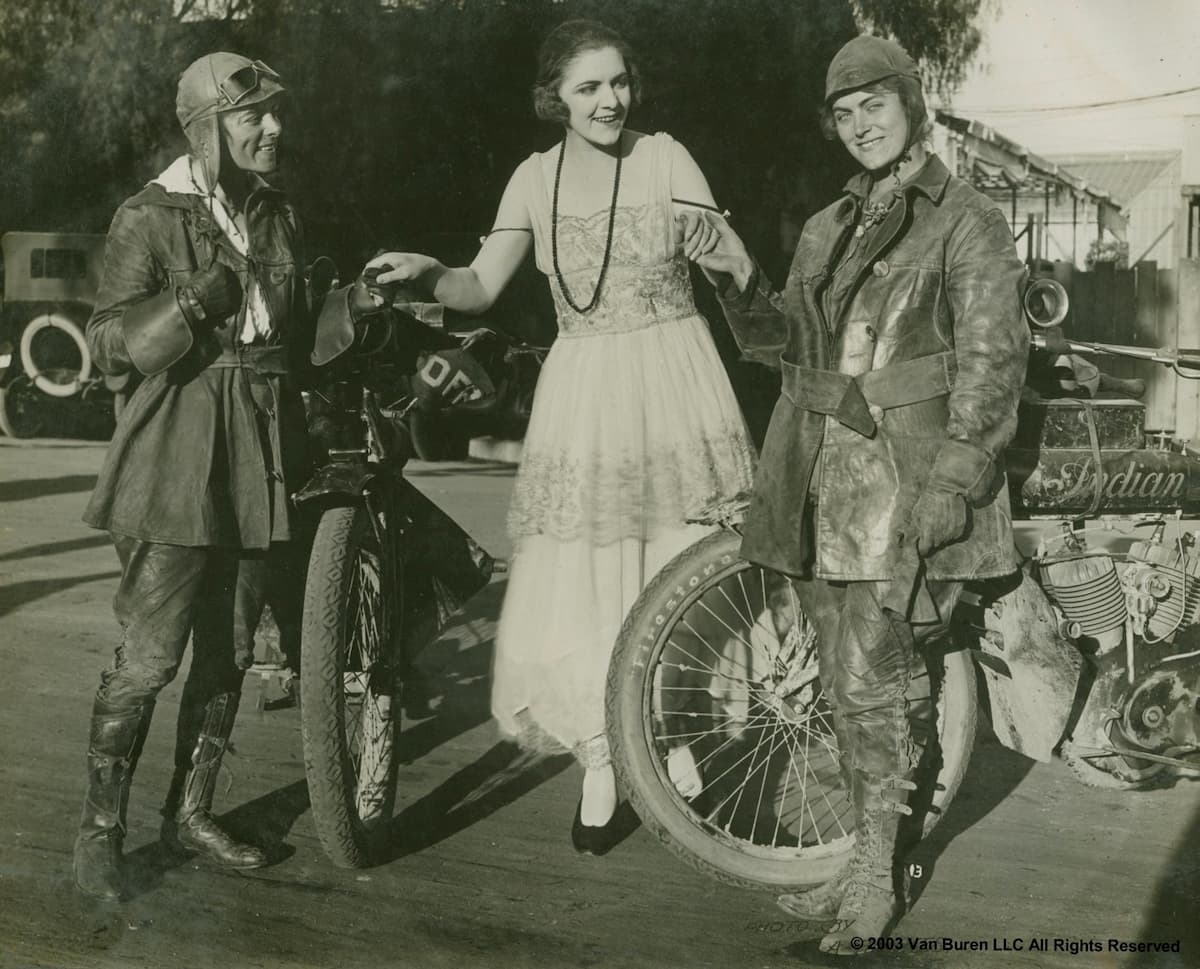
[{"x": 612, "y": 219}]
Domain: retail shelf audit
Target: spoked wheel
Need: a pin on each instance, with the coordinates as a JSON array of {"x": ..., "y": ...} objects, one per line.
[
  {"x": 348, "y": 684},
  {"x": 716, "y": 655},
  {"x": 22, "y": 408}
]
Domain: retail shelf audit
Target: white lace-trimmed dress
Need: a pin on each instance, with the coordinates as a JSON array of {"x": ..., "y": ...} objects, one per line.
[{"x": 634, "y": 427}]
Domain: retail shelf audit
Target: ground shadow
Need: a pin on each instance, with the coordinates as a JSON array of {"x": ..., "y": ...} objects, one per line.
[
  {"x": 497, "y": 778},
  {"x": 56, "y": 548},
  {"x": 41, "y": 487},
  {"x": 993, "y": 773},
  {"x": 456, "y": 681},
  {"x": 20, "y": 593},
  {"x": 498, "y": 469},
  {"x": 265, "y": 821},
  {"x": 1172, "y": 914},
  {"x": 449, "y": 688},
  {"x": 461, "y": 691}
]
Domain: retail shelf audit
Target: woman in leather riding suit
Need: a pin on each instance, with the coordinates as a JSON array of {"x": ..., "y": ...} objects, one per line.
[
  {"x": 902, "y": 346},
  {"x": 203, "y": 295}
]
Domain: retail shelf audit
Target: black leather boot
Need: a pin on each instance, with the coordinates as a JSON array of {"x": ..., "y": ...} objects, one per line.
[
  {"x": 115, "y": 742},
  {"x": 188, "y": 823}
]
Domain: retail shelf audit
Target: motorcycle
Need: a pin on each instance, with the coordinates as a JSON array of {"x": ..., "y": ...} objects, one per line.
[
  {"x": 440, "y": 434},
  {"x": 387, "y": 566},
  {"x": 1089, "y": 651}
]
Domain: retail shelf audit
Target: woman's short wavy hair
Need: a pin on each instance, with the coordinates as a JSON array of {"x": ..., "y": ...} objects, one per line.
[
  {"x": 912, "y": 101},
  {"x": 562, "y": 45}
]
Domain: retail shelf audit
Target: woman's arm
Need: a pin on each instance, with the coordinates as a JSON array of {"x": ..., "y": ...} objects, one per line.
[
  {"x": 752, "y": 309},
  {"x": 474, "y": 288},
  {"x": 984, "y": 281},
  {"x": 143, "y": 319},
  {"x": 701, "y": 230}
]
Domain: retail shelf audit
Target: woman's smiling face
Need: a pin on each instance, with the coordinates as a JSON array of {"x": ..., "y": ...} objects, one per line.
[
  {"x": 872, "y": 125},
  {"x": 597, "y": 92},
  {"x": 251, "y": 136}
]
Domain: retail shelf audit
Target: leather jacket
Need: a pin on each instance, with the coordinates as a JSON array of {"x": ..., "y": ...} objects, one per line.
[
  {"x": 207, "y": 451},
  {"x": 906, "y": 373}
]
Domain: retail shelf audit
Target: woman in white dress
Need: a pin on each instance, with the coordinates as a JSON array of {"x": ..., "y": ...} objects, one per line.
[{"x": 634, "y": 424}]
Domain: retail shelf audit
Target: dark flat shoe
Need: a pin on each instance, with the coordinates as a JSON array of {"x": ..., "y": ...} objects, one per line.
[{"x": 591, "y": 840}]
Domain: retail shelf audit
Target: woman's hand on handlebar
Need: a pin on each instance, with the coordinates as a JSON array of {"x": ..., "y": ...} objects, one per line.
[{"x": 398, "y": 268}]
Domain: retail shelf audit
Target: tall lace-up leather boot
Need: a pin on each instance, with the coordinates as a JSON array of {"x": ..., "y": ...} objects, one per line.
[
  {"x": 870, "y": 903},
  {"x": 188, "y": 822},
  {"x": 819, "y": 904},
  {"x": 115, "y": 742}
]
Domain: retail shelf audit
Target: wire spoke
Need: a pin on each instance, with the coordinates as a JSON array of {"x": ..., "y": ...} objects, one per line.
[{"x": 701, "y": 638}]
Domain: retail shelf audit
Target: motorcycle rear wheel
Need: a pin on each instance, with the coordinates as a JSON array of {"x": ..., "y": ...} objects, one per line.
[
  {"x": 774, "y": 812},
  {"x": 350, "y": 711}
]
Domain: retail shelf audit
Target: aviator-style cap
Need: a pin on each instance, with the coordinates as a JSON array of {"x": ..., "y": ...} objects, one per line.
[
  {"x": 865, "y": 60},
  {"x": 210, "y": 85}
]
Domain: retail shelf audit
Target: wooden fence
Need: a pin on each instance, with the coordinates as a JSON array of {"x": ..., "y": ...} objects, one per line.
[{"x": 1145, "y": 307}]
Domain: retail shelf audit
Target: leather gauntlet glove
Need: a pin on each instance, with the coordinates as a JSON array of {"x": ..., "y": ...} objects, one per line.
[
  {"x": 938, "y": 518},
  {"x": 961, "y": 473},
  {"x": 210, "y": 295},
  {"x": 363, "y": 300}
]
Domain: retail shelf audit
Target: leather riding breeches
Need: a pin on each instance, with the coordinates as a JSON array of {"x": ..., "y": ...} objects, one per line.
[{"x": 866, "y": 656}]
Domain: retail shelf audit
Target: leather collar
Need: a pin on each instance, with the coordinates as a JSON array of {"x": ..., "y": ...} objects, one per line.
[{"x": 930, "y": 180}]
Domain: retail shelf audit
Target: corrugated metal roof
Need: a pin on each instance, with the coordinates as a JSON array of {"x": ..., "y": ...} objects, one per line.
[
  {"x": 1124, "y": 175},
  {"x": 996, "y": 162}
]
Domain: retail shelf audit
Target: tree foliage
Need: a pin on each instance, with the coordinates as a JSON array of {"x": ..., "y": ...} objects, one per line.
[{"x": 406, "y": 117}]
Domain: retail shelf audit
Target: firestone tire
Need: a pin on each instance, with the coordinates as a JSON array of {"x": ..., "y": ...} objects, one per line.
[
  {"x": 350, "y": 711},
  {"x": 742, "y": 707}
]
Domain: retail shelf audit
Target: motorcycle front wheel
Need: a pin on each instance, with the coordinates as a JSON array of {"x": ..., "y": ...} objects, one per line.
[
  {"x": 348, "y": 684},
  {"x": 716, "y": 655}
]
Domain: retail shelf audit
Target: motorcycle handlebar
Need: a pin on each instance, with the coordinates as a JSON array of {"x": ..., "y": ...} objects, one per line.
[
  {"x": 1164, "y": 355},
  {"x": 432, "y": 314}
]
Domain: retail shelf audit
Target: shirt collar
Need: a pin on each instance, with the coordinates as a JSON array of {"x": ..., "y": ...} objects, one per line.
[{"x": 179, "y": 179}]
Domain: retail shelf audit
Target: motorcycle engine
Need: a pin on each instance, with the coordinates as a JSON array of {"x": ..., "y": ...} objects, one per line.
[
  {"x": 1159, "y": 591},
  {"x": 1158, "y": 594},
  {"x": 1088, "y": 591},
  {"x": 1162, "y": 589},
  {"x": 1160, "y": 713}
]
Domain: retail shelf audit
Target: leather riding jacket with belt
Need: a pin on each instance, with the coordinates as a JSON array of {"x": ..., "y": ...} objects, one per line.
[
  {"x": 910, "y": 367},
  {"x": 207, "y": 451}
]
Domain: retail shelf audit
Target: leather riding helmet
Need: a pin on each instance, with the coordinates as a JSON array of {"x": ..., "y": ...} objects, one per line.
[
  {"x": 211, "y": 85},
  {"x": 867, "y": 59}
]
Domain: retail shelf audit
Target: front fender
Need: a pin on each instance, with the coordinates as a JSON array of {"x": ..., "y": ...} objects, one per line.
[
  {"x": 1032, "y": 670},
  {"x": 341, "y": 479}
]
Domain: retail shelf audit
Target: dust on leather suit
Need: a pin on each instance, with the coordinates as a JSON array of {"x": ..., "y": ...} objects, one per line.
[{"x": 902, "y": 347}]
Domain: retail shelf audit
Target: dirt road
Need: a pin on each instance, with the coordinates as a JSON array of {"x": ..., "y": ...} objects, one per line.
[{"x": 482, "y": 872}]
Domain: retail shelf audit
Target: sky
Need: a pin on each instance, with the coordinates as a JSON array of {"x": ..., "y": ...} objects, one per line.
[{"x": 1039, "y": 56}]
